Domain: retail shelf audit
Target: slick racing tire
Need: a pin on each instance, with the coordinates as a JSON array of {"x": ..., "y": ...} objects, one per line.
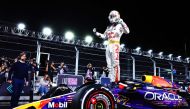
[{"x": 93, "y": 96}]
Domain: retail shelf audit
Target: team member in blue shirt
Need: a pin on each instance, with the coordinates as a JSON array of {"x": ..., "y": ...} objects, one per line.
[{"x": 18, "y": 76}]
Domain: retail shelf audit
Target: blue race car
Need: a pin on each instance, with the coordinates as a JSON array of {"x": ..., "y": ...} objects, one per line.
[{"x": 129, "y": 94}]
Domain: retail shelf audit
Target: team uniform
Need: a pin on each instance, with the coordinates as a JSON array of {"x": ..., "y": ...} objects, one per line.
[{"x": 113, "y": 34}]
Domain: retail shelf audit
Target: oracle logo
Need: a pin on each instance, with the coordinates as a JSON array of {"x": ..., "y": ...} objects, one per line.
[{"x": 161, "y": 96}]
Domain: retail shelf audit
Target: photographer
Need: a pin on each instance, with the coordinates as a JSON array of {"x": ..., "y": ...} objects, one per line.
[
  {"x": 89, "y": 72},
  {"x": 45, "y": 84},
  {"x": 33, "y": 67},
  {"x": 50, "y": 69},
  {"x": 104, "y": 71},
  {"x": 3, "y": 70},
  {"x": 62, "y": 68}
]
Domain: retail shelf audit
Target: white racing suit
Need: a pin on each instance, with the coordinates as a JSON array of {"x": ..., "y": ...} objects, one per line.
[{"x": 113, "y": 34}]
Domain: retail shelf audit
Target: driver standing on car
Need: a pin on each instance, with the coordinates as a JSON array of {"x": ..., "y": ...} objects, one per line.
[{"x": 113, "y": 34}]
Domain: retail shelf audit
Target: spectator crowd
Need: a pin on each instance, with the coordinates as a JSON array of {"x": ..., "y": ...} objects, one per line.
[{"x": 51, "y": 70}]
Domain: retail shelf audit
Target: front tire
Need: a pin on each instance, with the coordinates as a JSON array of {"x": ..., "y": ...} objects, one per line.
[{"x": 93, "y": 96}]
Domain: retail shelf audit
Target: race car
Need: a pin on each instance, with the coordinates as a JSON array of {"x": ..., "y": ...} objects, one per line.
[
  {"x": 128, "y": 94},
  {"x": 88, "y": 96}
]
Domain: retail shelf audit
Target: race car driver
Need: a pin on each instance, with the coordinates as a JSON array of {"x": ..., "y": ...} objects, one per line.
[{"x": 113, "y": 34}]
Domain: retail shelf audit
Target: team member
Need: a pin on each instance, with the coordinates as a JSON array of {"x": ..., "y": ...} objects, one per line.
[{"x": 20, "y": 75}]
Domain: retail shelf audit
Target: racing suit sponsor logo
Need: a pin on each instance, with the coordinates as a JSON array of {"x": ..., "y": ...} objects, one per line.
[
  {"x": 161, "y": 96},
  {"x": 52, "y": 105}
]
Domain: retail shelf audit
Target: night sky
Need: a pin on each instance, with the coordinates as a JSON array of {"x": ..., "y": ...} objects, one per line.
[{"x": 153, "y": 24}]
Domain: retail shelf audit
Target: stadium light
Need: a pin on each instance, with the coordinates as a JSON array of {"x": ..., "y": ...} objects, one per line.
[
  {"x": 69, "y": 35},
  {"x": 187, "y": 60},
  {"x": 179, "y": 57},
  {"x": 160, "y": 54},
  {"x": 122, "y": 45},
  {"x": 170, "y": 55},
  {"x": 88, "y": 39},
  {"x": 21, "y": 26},
  {"x": 137, "y": 51},
  {"x": 150, "y": 51},
  {"x": 47, "y": 31},
  {"x": 138, "y": 48},
  {"x": 105, "y": 42},
  {"x": 122, "y": 48}
]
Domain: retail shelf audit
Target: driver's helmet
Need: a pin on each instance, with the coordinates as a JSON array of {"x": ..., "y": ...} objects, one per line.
[{"x": 114, "y": 16}]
